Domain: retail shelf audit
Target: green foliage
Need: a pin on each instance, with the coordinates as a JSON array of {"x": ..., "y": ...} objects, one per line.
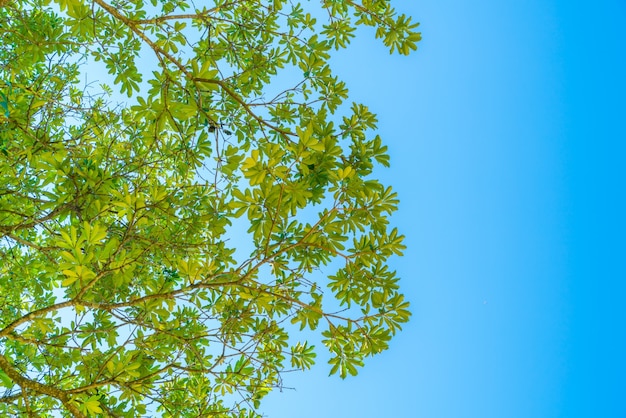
[{"x": 128, "y": 286}]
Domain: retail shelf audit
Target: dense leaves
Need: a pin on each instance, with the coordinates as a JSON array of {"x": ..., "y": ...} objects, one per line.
[{"x": 172, "y": 216}]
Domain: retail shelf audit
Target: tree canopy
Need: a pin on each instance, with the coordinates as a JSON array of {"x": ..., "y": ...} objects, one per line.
[{"x": 186, "y": 198}]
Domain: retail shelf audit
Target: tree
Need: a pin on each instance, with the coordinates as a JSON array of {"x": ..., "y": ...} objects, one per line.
[{"x": 128, "y": 284}]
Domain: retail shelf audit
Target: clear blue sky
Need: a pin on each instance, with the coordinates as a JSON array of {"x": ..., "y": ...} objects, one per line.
[{"x": 507, "y": 131}]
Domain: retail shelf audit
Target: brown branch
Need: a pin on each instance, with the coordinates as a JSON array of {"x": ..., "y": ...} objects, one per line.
[
  {"x": 167, "y": 295},
  {"x": 160, "y": 51},
  {"x": 10, "y": 398},
  {"x": 246, "y": 106},
  {"x": 161, "y": 19},
  {"x": 203, "y": 15},
  {"x": 30, "y": 244},
  {"x": 26, "y": 383},
  {"x": 7, "y": 229},
  {"x": 29, "y": 341},
  {"x": 34, "y": 314}
]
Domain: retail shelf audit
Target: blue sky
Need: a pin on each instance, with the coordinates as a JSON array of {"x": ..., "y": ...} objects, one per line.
[{"x": 506, "y": 130}]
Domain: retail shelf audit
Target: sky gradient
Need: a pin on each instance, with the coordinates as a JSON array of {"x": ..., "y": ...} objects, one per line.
[{"x": 506, "y": 131}]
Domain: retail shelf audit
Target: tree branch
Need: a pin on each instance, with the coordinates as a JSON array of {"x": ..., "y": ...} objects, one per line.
[
  {"x": 26, "y": 383},
  {"x": 158, "y": 50}
]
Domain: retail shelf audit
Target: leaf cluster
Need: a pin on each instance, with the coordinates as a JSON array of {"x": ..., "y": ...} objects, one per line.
[{"x": 160, "y": 256}]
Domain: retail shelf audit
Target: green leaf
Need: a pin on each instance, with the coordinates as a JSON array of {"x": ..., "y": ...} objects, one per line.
[
  {"x": 6, "y": 380},
  {"x": 93, "y": 406}
]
